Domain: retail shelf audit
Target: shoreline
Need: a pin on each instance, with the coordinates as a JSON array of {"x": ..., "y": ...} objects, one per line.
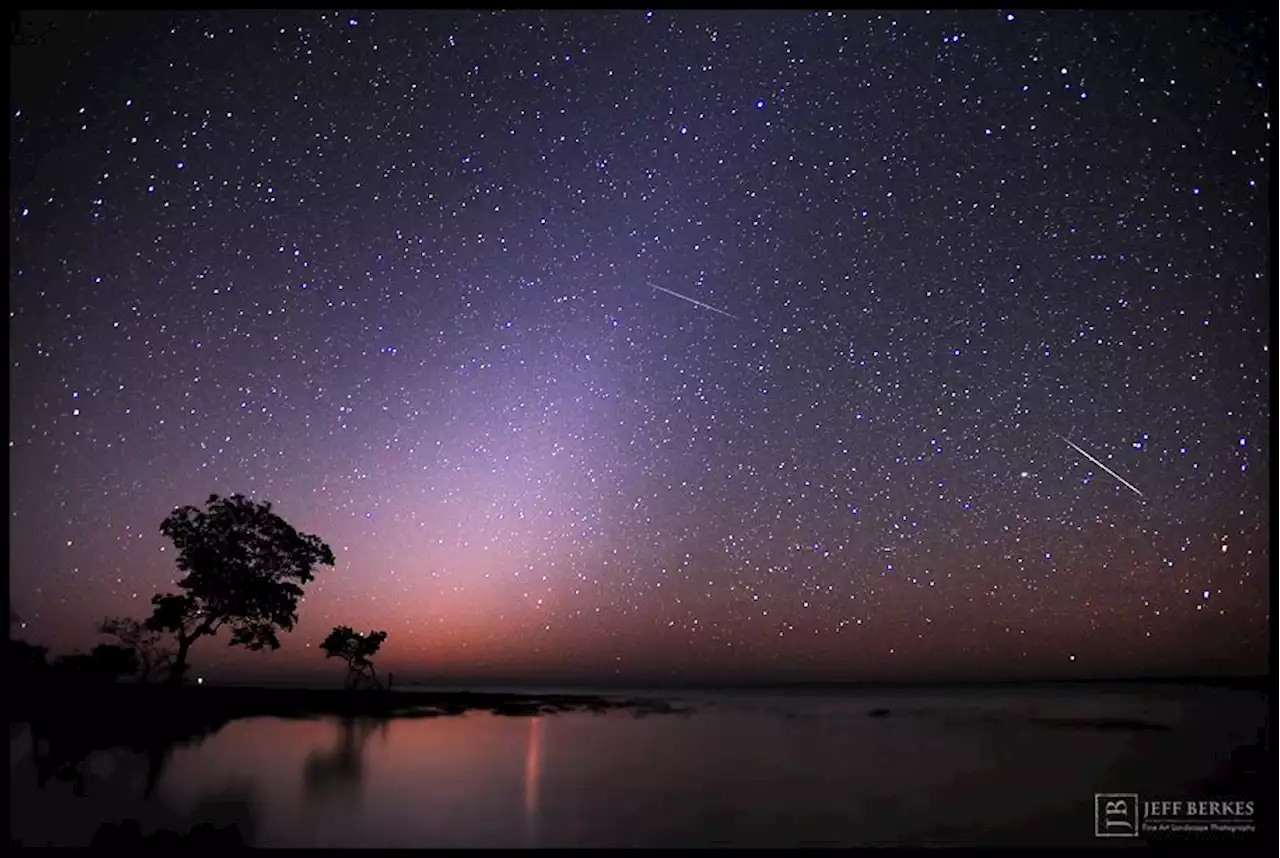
[
  {"x": 221, "y": 703},
  {"x": 68, "y": 723}
]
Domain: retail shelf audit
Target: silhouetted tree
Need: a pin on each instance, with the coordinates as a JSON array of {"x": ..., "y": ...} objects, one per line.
[
  {"x": 104, "y": 663},
  {"x": 245, "y": 566},
  {"x": 28, "y": 663},
  {"x": 357, "y": 651},
  {"x": 23, "y": 655},
  {"x": 152, "y": 646}
]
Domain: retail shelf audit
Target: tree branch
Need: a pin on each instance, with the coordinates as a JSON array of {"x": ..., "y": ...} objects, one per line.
[{"x": 208, "y": 627}]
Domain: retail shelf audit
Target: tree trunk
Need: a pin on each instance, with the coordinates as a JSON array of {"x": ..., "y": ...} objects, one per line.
[
  {"x": 178, "y": 670},
  {"x": 157, "y": 756}
]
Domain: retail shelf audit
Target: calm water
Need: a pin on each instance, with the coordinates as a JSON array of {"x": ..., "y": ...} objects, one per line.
[{"x": 750, "y": 769}]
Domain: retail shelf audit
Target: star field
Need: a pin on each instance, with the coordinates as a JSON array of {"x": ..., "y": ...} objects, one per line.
[{"x": 402, "y": 275}]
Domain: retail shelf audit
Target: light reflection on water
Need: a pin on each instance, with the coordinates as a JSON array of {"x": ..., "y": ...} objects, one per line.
[
  {"x": 532, "y": 774},
  {"x": 756, "y": 771}
]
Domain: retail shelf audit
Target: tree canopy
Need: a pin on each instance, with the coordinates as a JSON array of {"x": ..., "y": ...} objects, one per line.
[
  {"x": 357, "y": 651},
  {"x": 245, "y": 567},
  {"x": 104, "y": 663},
  {"x": 152, "y": 647}
]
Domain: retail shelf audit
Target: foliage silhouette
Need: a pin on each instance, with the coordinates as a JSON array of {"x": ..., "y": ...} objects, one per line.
[
  {"x": 153, "y": 647},
  {"x": 149, "y": 720},
  {"x": 105, "y": 663},
  {"x": 244, "y": 569},
  {"x": 357, "y": 651},
  {"x": 28, "y": 663}
]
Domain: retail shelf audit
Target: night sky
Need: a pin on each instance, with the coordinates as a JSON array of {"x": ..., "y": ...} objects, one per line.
[{"x": 648, "y": 345}]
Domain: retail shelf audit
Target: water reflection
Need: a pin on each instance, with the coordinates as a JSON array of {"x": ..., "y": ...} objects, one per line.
[
  {"x": 60, "y": 755},
  {"x": 765, "y": 773},
  {"x": 63, "y": 793},
  {"x": 336, "y": 773},
  {"x": 532, "y": 772}
]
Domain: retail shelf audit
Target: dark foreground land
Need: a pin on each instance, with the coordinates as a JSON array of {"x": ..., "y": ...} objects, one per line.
[
  {"x": 69, "y": 722},
  {"x": 141, "y": 716}
]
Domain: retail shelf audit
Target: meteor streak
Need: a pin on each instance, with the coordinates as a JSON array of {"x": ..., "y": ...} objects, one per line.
[
  {"x": 695, "y": 301},
  {"x": 1126, "y": 483}
]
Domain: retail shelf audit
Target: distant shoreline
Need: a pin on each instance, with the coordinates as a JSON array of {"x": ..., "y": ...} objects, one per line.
[
  {"x": 132, "y": 714},
  {"x": 581, "y": 688},
  {"x": 210, "y": 703}
]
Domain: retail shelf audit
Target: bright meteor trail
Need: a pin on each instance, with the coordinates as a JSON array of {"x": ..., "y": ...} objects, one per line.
[
  {"x": 1128, "y": 484},
  {"x": 695, "y": 301}
]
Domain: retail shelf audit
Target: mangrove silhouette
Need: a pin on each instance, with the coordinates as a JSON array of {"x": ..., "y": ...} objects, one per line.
[{"x": 357, "y": 651}]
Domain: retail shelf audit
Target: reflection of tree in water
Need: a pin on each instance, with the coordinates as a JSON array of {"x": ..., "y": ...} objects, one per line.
[
  {"x": 113, "y": 780},
  {"x": 337, "y": 772},
  {"x": 63, "y": 756},
  {"x": 62, "y": 747}
]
